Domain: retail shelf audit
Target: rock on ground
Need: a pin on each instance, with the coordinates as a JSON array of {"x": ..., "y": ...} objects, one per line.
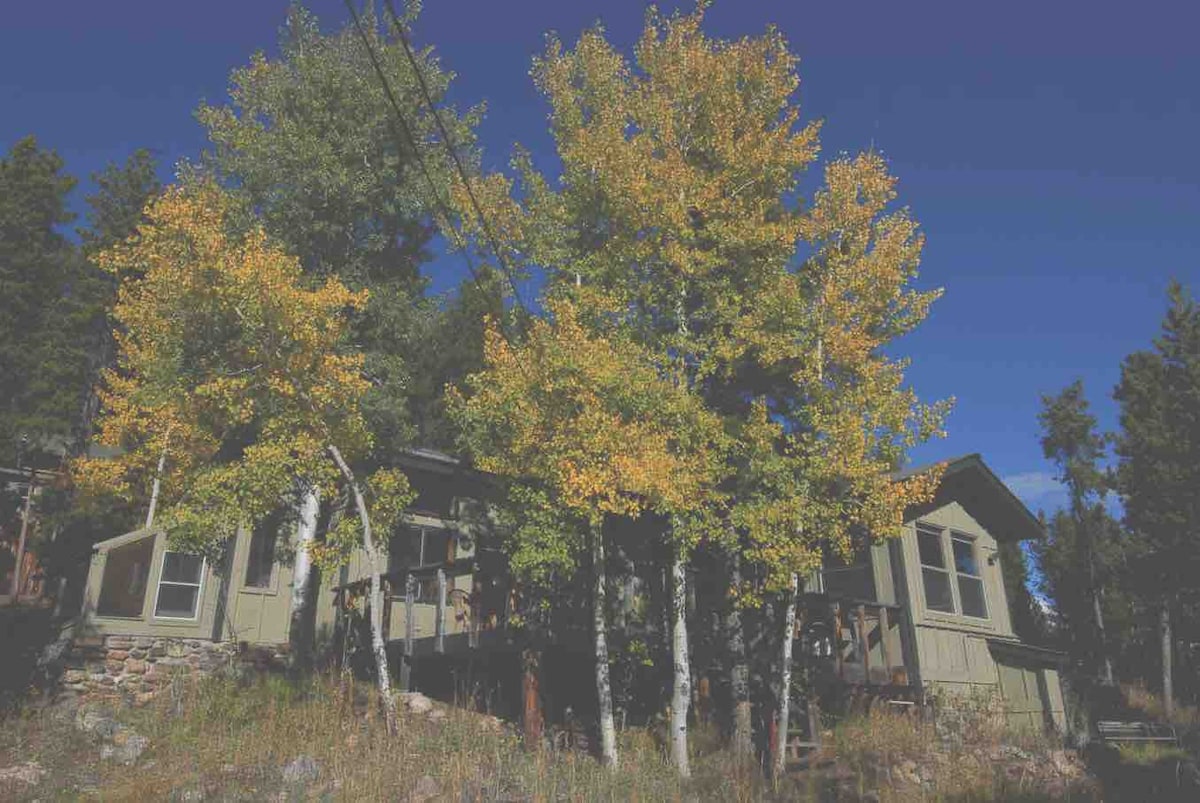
[
  {"x": 28, "y": 774},
  {"x": 301, "y": 770},
  {"x": 426, "y": 788}
]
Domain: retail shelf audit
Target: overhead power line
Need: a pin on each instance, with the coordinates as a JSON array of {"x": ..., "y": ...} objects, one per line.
[
  {"x": 402, "y": 131},
  {"x": 447, "y": 140}
]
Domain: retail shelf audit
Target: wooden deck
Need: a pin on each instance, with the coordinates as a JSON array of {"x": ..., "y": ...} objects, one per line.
[{"x": 852, "y": 655}]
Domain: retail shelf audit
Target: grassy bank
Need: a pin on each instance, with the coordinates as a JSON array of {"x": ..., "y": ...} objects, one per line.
[{"x": 323, "y": 740}]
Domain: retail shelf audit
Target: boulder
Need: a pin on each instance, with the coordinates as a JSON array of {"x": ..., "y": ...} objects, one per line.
[
  {"x": 301, "y": 770},
  {"x": 416, "y": 702},
  {"x": 426, "y": 788},
  {"x": 28, "y": 774},
  {"x": 96, "y": 722},
  {"x": 126, "y": 747}
]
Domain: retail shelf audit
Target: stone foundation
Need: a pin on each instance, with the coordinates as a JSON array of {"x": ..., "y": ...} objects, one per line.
[{"x": 136, "y": 666}]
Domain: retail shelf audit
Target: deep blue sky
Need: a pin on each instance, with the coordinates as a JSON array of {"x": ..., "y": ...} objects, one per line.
[{"x": 1049, "y": 150}]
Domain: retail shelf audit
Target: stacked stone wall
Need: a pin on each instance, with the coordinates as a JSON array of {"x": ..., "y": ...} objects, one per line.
[{"x": 137, "y": 666}]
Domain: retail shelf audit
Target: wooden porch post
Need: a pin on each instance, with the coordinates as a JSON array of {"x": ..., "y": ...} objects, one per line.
[
  {"x": 864, "y": 644},
  {"x": 837, "y": 640},
  {"x": 883, "y": 645},
  {"x": 407, "y": 664},
  {"x": 439, "y": 614},
  {"x": 26, "y": 514}
]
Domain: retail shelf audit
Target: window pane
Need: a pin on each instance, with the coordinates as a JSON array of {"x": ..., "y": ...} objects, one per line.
[
  {"x": 261, "y": 560},
  {"x": 404, "y": 551},
  {"x": 437, "y": 547},
  {"x": 964, "y": 556},
  {"x": 177, "y": 601},
  {"x": 970, "y": 590},
  {"x": 435, "y": 493},
  {"x": 929, "y": 542},
  {"x": 181, "y": 568},
  {"x": 123, "y": 585},
  {"x": 937, "y": 591}
]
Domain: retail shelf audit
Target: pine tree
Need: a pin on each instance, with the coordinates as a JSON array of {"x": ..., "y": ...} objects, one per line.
[
  {"x": 310, "y": 142},
  {"x": 1158, "y": 471},
  {"x": 1072, "y": 441},
  {"x": 41, "y": 275}
]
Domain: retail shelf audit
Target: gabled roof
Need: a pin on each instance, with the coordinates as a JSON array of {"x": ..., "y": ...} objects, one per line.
[{"x": 968, "y": 481}]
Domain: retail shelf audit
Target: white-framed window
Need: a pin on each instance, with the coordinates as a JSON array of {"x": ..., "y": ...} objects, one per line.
[
  {"x": 179, "y": 584},
  {"x": 421, "y": 547},
  {"x": 970, "y": 578},
  {"x": 935, "y": 574},
  {"x": 950, "y": 573}
]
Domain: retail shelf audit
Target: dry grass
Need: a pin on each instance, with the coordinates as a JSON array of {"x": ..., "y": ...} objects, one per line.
[
  {"x": 1150, "y": 704},
  {"x": 970, "y": 754},
  {"x": 227, "y": 740},
  {"x": 221, "y": 739}
]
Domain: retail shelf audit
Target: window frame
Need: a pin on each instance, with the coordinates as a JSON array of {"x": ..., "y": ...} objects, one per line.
[
  {"x": 422, "y": 528},
  {"x": 106, "y": 567},
  {"x": 272, "y": 586},
  {"x": 940, "y": 532},
  {"x": 973, "y": 542},
  {"x": 199, "y": 586}
]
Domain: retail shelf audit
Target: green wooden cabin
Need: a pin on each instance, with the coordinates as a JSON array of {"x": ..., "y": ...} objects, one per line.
[{"x": 923, "y": 612}]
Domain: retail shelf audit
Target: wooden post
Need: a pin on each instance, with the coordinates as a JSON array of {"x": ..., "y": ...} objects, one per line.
[
  {"x": 407, "y": 664},
  {"x": 439, "y": 614},
  {"x": 883, "y": 645},
  {"x": 531, "y": 697},
  {"x": 25, "y": 516},
  {"x": 837, "y": 640},
  {"x": 387, "y": 607},
  {"x": 885, "y": 628},
  {"x": 864, "y": 644}
]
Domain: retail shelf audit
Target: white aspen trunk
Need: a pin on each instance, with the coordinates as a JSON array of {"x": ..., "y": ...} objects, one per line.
[
  {"x": 779, "y": 760},
  {"x": 681, "y": 696},
  {"x": 1108, "y": 665},
  {"x": 608, "y": 730},
  {"x": 1168, "y": 685},
  {"x": 306, "y": 534},
  {"x": 162, "y": 462},
  {"x": 375, "y": 565}
]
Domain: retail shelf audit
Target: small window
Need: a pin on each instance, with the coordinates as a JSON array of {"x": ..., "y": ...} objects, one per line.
[
  {"x": 123, "y": 584},
  {"x": 934, "y": 575},
  {"x": 419, "y": 547},
  {"x": 434, "y": 493},
  {"x": 260, "y": 563},
  {"x": 849, "y": 581},
  {"x": 179, "y": 586},
  {"x": 970, "y": 582}
]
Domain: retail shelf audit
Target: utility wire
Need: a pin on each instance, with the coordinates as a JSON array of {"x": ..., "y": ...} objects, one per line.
[
  {"x": 402, "y": 131},
  {"x": 400, "y": 126},
  {"x": 449, "y": 143}
]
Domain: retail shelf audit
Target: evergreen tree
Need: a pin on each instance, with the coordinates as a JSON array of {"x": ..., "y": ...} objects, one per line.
[
  {"x": 311, "y": 144},
  {"x": 1070, "y": 439},
  {"x": 1158, "y": 469},
  {"x": 41, "y": 278}
]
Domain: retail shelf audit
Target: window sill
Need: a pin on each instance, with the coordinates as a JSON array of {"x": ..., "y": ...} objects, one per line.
[
  {"x": 259, "y": 592},
  {"x": 960, "y": 621}
]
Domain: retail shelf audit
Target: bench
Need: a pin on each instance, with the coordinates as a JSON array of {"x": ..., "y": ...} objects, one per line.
[{"x": 1115, "y": 731}]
